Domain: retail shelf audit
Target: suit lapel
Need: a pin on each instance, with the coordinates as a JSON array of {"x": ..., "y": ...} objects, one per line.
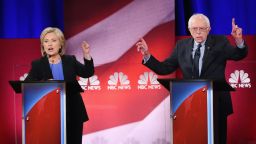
[
  {"x": 46, "y": 65},
  {"x": 188, "y": 52},
  {"x": 208, "y": 54},
  {"x": 64, "y": 66}
]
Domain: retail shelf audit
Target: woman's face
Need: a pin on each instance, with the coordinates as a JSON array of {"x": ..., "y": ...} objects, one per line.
[{"x": 51, "y": 44}]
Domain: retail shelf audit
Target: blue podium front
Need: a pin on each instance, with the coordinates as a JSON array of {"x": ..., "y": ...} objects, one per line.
[
  {"x": 43, "y": 111},
  {"x": 191, "y": 110}
]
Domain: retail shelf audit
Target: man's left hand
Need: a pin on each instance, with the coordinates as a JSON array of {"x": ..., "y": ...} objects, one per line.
[{"x": 237, "y": 33}]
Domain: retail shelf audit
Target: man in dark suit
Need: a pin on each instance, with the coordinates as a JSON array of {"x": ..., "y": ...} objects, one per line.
[{"x": 202, "y": 57}]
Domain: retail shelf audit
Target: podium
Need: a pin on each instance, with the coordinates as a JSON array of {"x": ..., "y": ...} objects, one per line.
[
  {"x": 43, "y": 111},
  {"x": 191, "y": 109}
]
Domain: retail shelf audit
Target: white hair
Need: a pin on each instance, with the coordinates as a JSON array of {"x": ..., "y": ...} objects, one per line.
[{"x": 192, "y": 18}]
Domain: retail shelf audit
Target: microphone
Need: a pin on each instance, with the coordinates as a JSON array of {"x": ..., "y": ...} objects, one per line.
[
  {"x": 193, "y": 69},
  {"x": 192, "y": 60}
]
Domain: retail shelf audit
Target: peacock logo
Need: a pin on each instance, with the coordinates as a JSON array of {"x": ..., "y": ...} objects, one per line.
[
  {"x": 91, "y": 83},
  {"x": 148, "y": 80},
  {"x": 118, "y": 81},
  {"x": 240, "y": 79}
]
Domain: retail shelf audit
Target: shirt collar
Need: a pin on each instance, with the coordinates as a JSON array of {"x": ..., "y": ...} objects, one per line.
[{"x": 196, "y": 43}]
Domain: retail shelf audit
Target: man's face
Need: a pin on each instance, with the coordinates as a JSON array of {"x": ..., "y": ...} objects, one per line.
[{"x": 199, "y": 29}]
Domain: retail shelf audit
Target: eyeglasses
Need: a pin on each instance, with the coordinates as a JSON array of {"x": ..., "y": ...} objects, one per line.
[{"x": 200, "y": 29}]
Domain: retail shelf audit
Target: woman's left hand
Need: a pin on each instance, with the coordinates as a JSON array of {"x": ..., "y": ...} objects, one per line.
[{"x": 86, "y": 50}]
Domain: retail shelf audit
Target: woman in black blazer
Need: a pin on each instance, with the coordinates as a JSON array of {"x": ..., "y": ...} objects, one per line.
[{"x": 54, "y": 65}]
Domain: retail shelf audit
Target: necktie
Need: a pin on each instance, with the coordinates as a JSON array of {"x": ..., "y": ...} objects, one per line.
[{"x": 196, "y": 61}]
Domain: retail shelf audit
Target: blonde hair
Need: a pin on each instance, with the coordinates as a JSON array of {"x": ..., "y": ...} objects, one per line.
[
  {"x": 201, "y": 16},
  {"x": 59, "y": 34}
]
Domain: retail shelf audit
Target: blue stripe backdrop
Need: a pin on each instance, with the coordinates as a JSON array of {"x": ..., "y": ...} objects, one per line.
[
  {"x": 27, "y": 18},
  {"x": 220, "y": 13}
]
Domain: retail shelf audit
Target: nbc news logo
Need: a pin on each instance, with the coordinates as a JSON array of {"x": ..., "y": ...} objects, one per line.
[
  {"x": 118, "y": 81},
  {"x": 148, "y": 80},
  {"x": 239, "y": 79},
  {"x": 91, "y": 83}
]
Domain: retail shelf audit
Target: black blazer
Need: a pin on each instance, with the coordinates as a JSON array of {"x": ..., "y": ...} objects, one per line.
[
  {"x": 41, "y": 71},
  {"x": 218, "y": 51}
]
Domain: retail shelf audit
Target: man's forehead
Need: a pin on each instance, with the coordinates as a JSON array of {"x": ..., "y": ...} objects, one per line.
[{"x": 198, "y": 21}]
